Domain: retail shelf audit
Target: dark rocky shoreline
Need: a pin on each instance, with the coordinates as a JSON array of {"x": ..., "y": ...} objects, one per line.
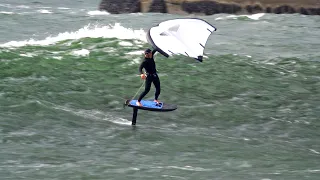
[{"x": 206, "y": 7}]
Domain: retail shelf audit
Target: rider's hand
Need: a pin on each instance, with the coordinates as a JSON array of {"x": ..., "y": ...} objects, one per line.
[{"x": 143, "y": 76}]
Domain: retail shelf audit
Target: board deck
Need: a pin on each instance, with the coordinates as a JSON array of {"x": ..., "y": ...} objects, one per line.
[{"x": 151, "y": 106}]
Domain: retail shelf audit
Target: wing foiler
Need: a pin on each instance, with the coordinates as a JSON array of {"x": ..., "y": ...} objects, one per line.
[{"x": 181, "y": 36}]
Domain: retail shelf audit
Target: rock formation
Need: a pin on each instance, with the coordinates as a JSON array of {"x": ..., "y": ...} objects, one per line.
[
  {"x": 122, "y": 6},
  {"x": 158, "y": 6},
  {"x": 209, "y": 7}
]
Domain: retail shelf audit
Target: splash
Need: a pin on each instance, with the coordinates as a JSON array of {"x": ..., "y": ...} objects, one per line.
[{"x": 110, "y": 31}]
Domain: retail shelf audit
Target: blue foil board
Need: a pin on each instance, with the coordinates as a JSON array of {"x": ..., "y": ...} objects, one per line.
[{"x": 149, "y": 105}]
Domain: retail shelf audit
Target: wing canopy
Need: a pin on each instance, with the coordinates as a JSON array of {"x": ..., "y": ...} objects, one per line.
[{"x": 181, "y": 36}]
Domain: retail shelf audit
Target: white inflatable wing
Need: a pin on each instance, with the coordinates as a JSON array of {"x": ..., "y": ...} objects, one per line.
[{"x": 181, "y": 36}]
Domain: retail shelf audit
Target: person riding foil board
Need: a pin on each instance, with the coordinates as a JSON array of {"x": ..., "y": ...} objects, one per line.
[{"x": 151, "y": 76}]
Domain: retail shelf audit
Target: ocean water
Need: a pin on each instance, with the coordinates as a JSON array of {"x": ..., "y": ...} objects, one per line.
[{"x": 250, "y": 111}]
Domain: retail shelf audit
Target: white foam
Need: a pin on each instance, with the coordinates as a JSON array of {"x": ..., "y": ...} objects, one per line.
[
  {"x": 37, "y": 165},
  {"x": 43, "y": 7},
  {"x": 23, "y": 79},
  {"x": 23, "y": 7},
  {"x": 28, "y": 55},
  {"x": 114, "y": 31},
  {"x": 188, "y": 168},
  {"x": 135, "y": 53},
  {"x": 135, "y": 61},
  {"x": 256, "y": 16},
  {"x": 125, "y": 43},
  {"x": 57, "y": 57},
  {"x": 314, "y": 151},
  {"x": 95, "y": 13},
  {"x": 137, "y": 14},
  {"x": 22, "y": 133},
  {"x": 6, "y": 12},
  {"x": 138, "y": 43},
  {"x": 245, "y": 164},
  {"x": 63, "y": 8},
  {"x": 5, "y": 5},
  {"x": 82, "y": 52},
  {"x": 313, "y": 170},
  {"x": 253, "y": 16},
  {"x": 94, "y": 115},
  {"x": 120, "y": 121},
  {"x": 44, "y": 11}
]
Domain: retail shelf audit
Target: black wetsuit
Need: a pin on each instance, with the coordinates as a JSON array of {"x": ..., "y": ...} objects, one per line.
[{"x": 152, "y": 77}]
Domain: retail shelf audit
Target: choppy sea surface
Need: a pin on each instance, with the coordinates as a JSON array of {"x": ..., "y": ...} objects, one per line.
[{"x": 250, "y": 111}]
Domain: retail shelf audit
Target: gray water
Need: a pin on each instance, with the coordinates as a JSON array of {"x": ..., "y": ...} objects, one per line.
[{"x": 251, "y": 110}]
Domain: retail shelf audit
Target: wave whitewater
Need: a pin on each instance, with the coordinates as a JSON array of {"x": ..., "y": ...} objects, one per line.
[{"x": 91, "y": 31}]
